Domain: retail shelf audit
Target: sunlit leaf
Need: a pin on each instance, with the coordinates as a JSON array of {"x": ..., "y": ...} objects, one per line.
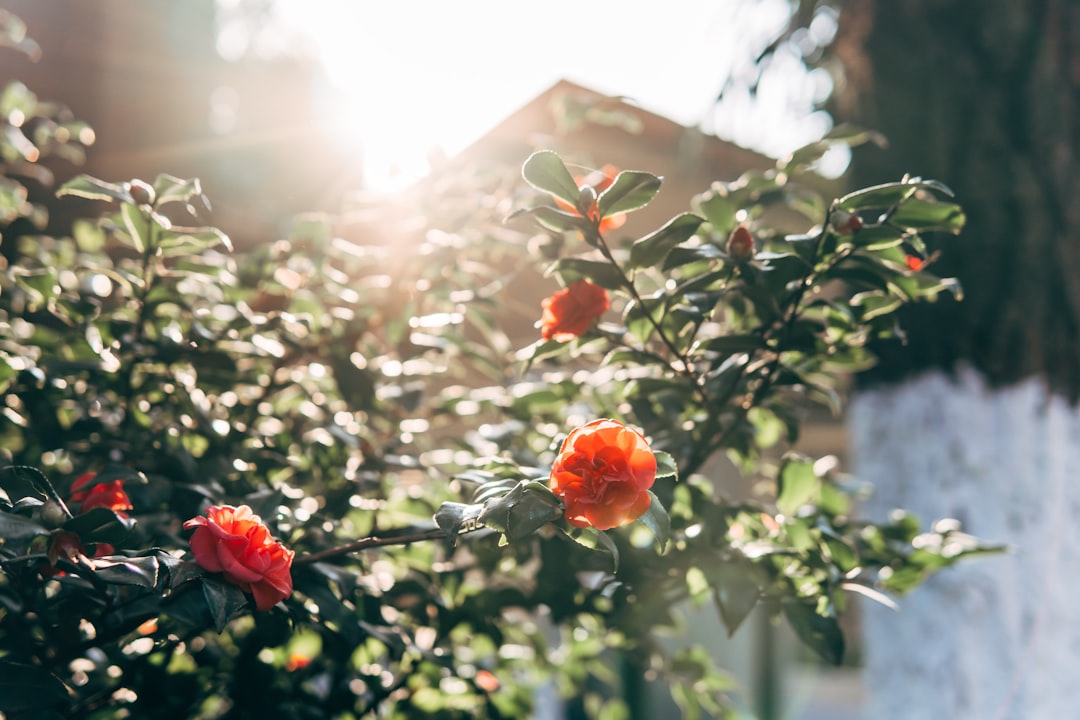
[
  {"x": 651, "y": 250},
  {"x": 545, "y": 171}
]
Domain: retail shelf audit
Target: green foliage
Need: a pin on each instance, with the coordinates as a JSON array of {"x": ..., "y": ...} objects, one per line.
[{"x": 378, "y": 418}]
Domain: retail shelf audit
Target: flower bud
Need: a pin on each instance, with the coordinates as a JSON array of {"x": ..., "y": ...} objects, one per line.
[
  {"x": 52, "y": 515},
  {"x": 142, "y": 193},
  {"x": 846, "y": 223},
  {"x": 740, "y": 244}
]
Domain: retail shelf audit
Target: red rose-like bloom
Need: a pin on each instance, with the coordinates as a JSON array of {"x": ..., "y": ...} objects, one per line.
[
  {"x": 603, "y": 473},
  {"x": 234, "y": 541},
  {"x": 569, "y": 312},
  {"x": 88, "y": 495}
]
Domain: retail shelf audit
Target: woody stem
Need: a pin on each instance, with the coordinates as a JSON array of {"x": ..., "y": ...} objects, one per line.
[{"x": 371, "y": 542}]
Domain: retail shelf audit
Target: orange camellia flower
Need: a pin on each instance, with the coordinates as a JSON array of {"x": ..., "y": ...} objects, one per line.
[
  {"x": 569, "y": 312},
  {"x": 603, "y": 473},
  {"x": 234, "y": 541},
  {"x": 89, "y": 495},
  {"x": 599, "y": 180}
]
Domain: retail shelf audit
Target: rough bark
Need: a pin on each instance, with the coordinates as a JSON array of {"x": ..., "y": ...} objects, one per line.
[{"x": 985, "y": 96}]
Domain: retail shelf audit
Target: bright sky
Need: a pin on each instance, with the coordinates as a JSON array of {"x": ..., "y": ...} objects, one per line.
[{"x": 408, "y": 75}]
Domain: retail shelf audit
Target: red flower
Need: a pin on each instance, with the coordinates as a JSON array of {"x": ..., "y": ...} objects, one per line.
[
  {"x": 599, "y": 180},
  {"x": 234, "y": 541},
  {"x": 603, "y": 473},
  {"x": 740, "y": 244},
  {"x": 110, "y": 495},
  {"x": 569, "y": 312},
  {"x": 914, "y": 263}
]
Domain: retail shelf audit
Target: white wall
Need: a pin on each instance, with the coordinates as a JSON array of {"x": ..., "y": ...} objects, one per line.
[{"x": 996, "y": 637}]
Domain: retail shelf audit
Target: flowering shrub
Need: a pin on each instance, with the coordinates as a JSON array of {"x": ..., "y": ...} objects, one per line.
[{"x": 397, "y": 512}]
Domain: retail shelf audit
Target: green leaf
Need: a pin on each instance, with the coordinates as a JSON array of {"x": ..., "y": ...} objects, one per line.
[
  {"x": 137, "y": 226},
  {"x": 545, "y": 171},
  {"x": 651, "y": 250},
  {"x": 631, "y": 190},
  {"x": 170, "y": 189},
  {"x": 923, "y": 214},
  {"x": 553, "y": 219},
  {"x": 91, "y": 188},
  {"x": 658, "y": 522},
  {"x": 526, "y": 508},
  {"x": 665, "y": 466},
  {"x": 16, "y": 527},
  {"x": 820, "y": 633},
  {"x": 798, "y": 485},
  {"x": 729, "y": 344},
  {"x": 184, "y": 241},
  {"x": 601, "y": 272},
  {"x": 100, "y": 525},
  {"x": 224, "y": 600},
  {"x": 593, "y": 539},
  {"x": 140, "y": 571},
  {"x": 735, "y": 592},
  {"x": 457, "y": 518},
  {"x": 29, "y": 687}
]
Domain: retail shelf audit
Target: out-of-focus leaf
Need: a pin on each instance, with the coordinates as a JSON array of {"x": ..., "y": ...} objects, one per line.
[
  {"x": 820, "y": 633},
  {"x": 14, "y": 527},
  {"x": 632, "y": 189},
  {"x": 657, "y": 520},
  {"x": 92, "y": 188},
  {"x": 651, "y": 250},
  {"x": 601, "y": 272},
  {"x": 545, "y": 171},
  {"x": 798, "y": 485},
  {"x": 29, "y": 689}
]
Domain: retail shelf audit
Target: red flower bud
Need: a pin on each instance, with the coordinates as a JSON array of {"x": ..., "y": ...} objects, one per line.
[
  {"x": 846, "y": 223},
  {"x": 740, "y": 244}
]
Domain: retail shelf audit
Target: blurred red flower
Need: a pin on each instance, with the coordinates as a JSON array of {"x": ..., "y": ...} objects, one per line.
[
  {"x": 603, "y": 473},
  {"x": 234, "y": 541},
  {"x": 599, "y": 180},
  {"x": 89, "y": 495},
  {"x": 569, "y": 312}
]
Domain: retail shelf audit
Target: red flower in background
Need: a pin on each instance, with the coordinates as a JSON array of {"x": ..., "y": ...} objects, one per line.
[
  {"x": 234, "y": 541},
  {"x": 571, "y": 311},
  {"x": 599, "y": 180},
  {"x": 914, "y": 263},
  {"x": 89, "y": 495},
  {"x": 603, "y": 473}
]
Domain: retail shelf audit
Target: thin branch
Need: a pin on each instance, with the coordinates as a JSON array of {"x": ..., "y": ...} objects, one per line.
[{"x": 371, "y": 542}]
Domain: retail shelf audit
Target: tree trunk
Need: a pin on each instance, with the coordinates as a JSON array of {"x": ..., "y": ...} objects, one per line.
[{"x": 975, "y": 417}]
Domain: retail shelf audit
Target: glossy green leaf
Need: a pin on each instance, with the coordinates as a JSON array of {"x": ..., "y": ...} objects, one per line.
[
  {"x": 728, "y": 344},
  {"x": 651, "y": 250},
  {"x": 632, "y": 189},
  {"x": 15, "y": 527},
  {"x": 593, "y": 539},
  {"x": 224, "y": 600},
  {"x": 545, "y": 171},
  {"x": 820, "y": 633},
  {"x": 665, "y": 466},
  {"x": 735, "y": 592},
  {"x": 100, "y": 525},
  {"x": 658, "y": 522},
  {"x": 922, "y": 214},
  {"x": 29, "y": 689}
]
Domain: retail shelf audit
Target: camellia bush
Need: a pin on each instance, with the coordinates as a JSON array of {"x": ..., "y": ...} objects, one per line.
[{"x": 314, "y": 480}]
